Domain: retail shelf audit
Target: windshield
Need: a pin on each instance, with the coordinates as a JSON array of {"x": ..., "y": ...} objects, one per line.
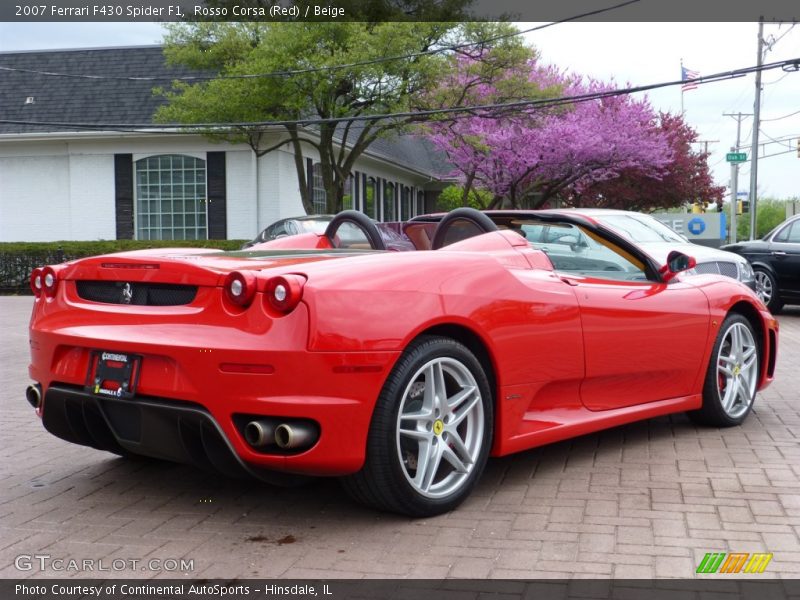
[
  {"x": 317, "y": 226},
  {"x": 641, "y": 228}
]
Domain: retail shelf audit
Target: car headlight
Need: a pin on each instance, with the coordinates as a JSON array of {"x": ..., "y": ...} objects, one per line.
[{"x": 746, "y": 272}]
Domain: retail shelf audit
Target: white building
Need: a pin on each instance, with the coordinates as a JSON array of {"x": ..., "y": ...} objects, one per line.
[{"x": 62, "y": 181}]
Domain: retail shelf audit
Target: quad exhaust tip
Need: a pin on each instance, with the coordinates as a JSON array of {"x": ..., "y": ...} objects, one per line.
[
  {"x": 33, "y": 394},
  {"x": 259, "y": 434},
  {"x": 262, "y": 433},
  {"x": 289, "y": 436}
]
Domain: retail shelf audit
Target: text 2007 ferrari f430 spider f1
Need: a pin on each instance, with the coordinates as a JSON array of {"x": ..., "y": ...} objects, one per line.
[{"x": 401, "y": 372}]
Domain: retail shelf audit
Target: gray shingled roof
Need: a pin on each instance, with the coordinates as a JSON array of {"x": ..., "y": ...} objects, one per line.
[
  {"x": 74, "y": 100},
  {"x": 78, "y": 100}
]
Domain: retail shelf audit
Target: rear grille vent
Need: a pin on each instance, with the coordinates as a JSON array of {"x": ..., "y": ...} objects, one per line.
[{"x": 137, "y": 293}]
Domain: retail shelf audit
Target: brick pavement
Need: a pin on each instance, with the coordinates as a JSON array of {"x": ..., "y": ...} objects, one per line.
[{"x": 640, "y": 501}]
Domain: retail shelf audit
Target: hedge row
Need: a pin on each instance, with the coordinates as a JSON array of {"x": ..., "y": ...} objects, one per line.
[{"x": 18, "y": 259}]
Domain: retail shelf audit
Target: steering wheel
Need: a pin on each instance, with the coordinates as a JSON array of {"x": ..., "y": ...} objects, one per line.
[
  {"x": 362, "y": 222},
  {"x": 476, "y": 223}
]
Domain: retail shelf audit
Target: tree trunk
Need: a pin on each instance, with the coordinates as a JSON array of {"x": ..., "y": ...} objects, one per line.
[
  {"x": 300, "y": 168},
  {"x": 467, "y": 188}
]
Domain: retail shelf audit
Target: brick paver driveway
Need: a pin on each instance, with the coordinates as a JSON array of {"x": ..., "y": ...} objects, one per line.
[{"x": 645, "y": 500}]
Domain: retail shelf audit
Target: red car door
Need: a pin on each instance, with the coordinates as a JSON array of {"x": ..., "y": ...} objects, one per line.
[{"x": 643, "y": 341}]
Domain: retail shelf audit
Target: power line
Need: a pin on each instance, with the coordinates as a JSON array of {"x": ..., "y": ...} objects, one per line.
[
  {"x": 769, "y": 45},
  {"x": 291, "y": 72},
  {"x": 780, "y": 141},
  {"x": 471, "y": 110},
  {"x": 468, "y": 111},
  {"x": 797, "y": 112}
]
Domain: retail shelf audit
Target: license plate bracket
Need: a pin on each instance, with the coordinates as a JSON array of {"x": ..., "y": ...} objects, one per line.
[{"x": 114, "y": 374}]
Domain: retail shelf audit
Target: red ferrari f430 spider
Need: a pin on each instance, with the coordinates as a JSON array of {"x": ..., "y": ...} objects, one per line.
[{"x": 400, "y": 372}]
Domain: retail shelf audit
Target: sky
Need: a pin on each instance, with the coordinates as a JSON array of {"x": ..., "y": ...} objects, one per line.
[{"x": 628, "y": 53}]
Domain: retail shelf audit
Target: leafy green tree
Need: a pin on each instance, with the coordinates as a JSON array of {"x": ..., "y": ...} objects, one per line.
[
  {"x": 453, "y": 197},
  {"x": 770, "y": 213},
  {"x": 312, "y": 86}
]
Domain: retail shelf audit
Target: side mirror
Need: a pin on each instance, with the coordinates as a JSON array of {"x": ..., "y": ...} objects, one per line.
[{"x": 677, "y": 262}]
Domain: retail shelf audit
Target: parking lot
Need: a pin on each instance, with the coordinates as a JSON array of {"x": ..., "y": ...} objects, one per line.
[{"x": 640, "y": 501}]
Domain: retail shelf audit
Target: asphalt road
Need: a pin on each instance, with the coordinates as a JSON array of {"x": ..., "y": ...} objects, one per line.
[{"x": 640, "y": 501}]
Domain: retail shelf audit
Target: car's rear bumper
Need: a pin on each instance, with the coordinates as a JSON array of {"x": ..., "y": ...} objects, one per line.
[
  {"x": 205, "y": 377},
  {"x": 188, "y": 432},
  {"x": 180, "y": 432}
]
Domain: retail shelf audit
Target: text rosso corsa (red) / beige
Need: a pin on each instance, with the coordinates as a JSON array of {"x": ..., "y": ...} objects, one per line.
[{"x": 274, "y": 11}]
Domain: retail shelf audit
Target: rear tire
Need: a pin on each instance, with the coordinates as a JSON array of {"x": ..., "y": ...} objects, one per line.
[
  {"x": 430, "y": 434},
  {"x": 732, "y": 376}
]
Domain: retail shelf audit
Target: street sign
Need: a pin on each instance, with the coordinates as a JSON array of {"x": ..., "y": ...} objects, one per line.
[{"x": 736, "y": 156}]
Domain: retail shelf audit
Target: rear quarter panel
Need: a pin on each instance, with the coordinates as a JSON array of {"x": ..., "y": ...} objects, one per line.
[{"x": 527, "y": 319}]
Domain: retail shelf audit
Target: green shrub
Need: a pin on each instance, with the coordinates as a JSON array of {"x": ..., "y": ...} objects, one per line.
[
  {"x": 18, "y": 259},
  {"x": 769, "y": 214},
  {"x": 452, "y": 197}
]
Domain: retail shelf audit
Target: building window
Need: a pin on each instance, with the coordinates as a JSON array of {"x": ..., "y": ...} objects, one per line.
[
  {"x": 420, "y": 202},
  {"x": 171, "y": 198},
  {"x": 406, "y": 203},
  {"x": 319, "y": 196},
  {"x": 347, "y": 199},
  {"x": 388, "y": 202},
  {"x": 369, "y": 197}
]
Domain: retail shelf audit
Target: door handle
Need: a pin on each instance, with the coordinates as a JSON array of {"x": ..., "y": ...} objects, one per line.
[
  {"x": 569, "y": 281},
  {"x": 778, "y": 253}
]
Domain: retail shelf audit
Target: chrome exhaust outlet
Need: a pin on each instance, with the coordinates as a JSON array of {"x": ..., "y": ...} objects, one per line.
[
  {"x": 260, "y": 433},
  {"x": 297, "y": 435},
  {"x": 33, "y": 394}
]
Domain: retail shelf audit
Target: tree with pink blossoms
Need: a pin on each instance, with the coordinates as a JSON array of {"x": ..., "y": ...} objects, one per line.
[{"x": 563, "y": 151}]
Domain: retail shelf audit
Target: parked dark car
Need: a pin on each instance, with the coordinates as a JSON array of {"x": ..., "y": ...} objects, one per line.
[
  {"x": 776, "y": 262},
  {"x": 291, "y": 226}
]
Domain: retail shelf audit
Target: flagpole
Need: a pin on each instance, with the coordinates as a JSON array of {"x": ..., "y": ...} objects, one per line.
[{"x": 682, "y": 88}]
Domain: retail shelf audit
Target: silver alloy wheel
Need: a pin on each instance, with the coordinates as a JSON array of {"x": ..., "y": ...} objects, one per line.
[
  {"x": 737, "y": 370},
  {"x": 764, "y": 286},
  {"x": 440, "y": 427}
]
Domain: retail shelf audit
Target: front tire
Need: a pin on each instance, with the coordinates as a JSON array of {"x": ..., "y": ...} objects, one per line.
[
  {"x": 732, "y": 376},
  {"x": 430, "y": 434}
]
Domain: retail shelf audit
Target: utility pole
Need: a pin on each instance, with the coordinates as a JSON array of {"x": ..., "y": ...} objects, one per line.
[
  {"x": 706, "y": 143},
  {"x": 756, "y": 127},
  {"x": 735, "y": 173}
]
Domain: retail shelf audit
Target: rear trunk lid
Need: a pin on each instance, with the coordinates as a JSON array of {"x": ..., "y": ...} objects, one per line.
[{"x": 173, "y": 276}]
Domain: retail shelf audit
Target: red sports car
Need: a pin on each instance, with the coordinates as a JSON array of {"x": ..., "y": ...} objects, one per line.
[{"x": 401, "y": 372}]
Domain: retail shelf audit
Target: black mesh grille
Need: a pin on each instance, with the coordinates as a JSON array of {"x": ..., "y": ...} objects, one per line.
[
  {"x": 138, "y": 293},
  {"x": 729, "y": 269},
  {"x": 718, "y": 268}
]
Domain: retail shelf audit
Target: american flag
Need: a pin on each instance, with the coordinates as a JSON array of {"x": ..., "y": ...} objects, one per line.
[{"x": 687, "y": 74}]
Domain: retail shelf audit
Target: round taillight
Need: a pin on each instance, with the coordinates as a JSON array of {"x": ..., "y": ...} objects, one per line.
[
  {"x": 240, "y": 287},
  {"x": 49, "y": 281},
  {"x": 36, "y": 282},
  {"x": 285, "y": 292}
]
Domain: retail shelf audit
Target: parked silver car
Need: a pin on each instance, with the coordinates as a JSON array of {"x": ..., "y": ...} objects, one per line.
[{"x": 658, "y": 240}]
